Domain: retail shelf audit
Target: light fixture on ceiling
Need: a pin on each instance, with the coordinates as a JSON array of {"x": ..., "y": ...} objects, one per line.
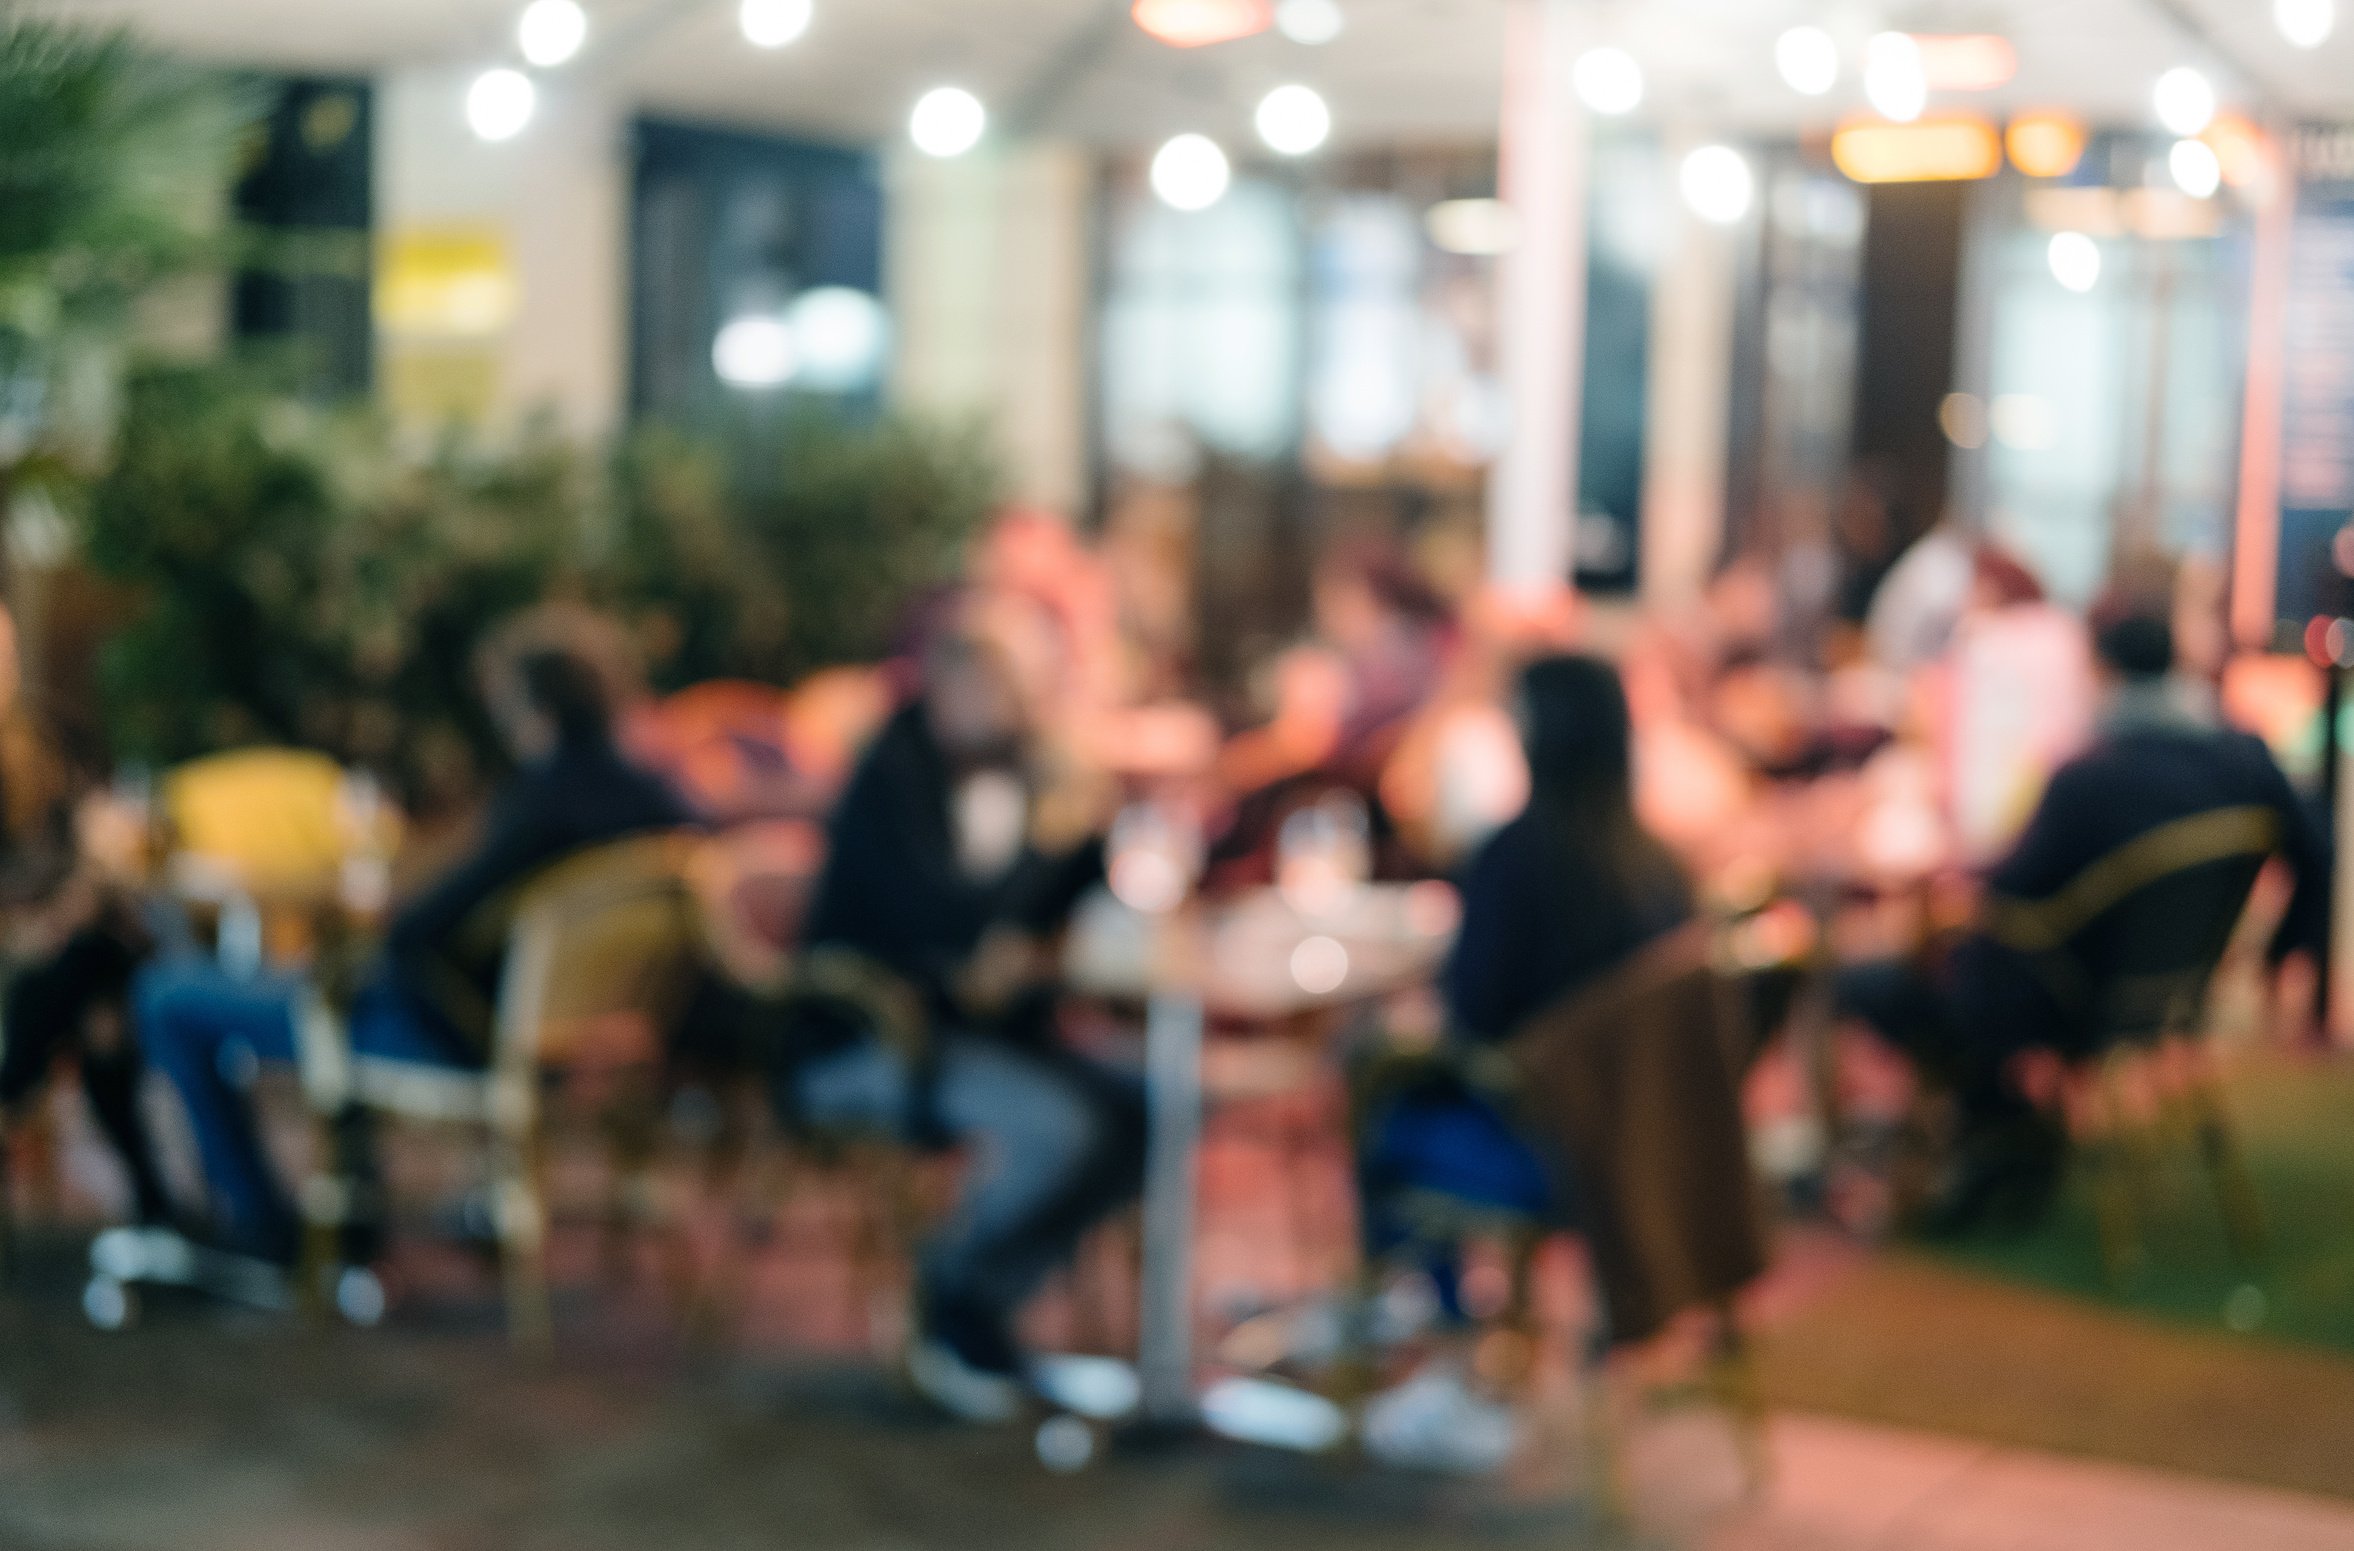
[
  {"x": 2306, "y": 23},
  {"x": 1808, "y": 58},
  {"x": 2045, "y": 145},
  {"x": 2184, "y": 101},
  {"x": 1894, "y": 80},
  {"x": 1955, "y": 149},
  {"x": 1718, "y": 184},
  {"x": 775, "y": 23},
  {"x": 551, "y": 32},
  {"x": 1967, "y": 61},
  {"x": 1294, "y": 120},
  {"x": 1191, "y": 173},
  {"x": 948, "y": 121},
  {"x": 755, "y": 351},
  {"x": 2075, "y": 261},
  {"x": 500, "y": 103},
  {"x": 1609, "y": 81},
  {"x": 1200, "y": 23},
  {"x": 1313, "y": 22},
  {"x": 2195, "y": 168},
  {"x": 840, "y": 337}
]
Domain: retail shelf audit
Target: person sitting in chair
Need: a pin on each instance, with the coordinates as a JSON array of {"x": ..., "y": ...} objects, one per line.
[
  {"x": 2167, "y": 797},
  {"x": 430, "y": 994},
  {"x": 1555, "y": 901},
  {"x": 952, "y": 866}
]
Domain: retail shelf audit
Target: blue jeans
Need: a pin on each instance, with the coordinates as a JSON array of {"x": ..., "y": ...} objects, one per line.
[
  {"x": 1057, "y": 1143},
  {"x": 209, "y": 1030},
  {"x": 1452, "y": 1144}
]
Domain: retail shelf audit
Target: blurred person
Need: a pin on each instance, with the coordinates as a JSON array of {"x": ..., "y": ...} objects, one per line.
[
  {"x": 554, "y": 691},
  {"x": 1969, "y": 1013},
  {"x": 955, "y": 860},
  {"x": 1556, "y": 900}
]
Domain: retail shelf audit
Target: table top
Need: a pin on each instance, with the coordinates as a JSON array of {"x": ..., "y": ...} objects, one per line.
[{"x": 1259, "y": 956}]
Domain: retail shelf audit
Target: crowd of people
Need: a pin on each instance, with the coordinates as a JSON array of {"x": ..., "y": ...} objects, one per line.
[{"x": 1588, "y": 803}]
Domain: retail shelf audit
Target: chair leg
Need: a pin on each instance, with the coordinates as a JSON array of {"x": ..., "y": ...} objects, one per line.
[
  {"x": 523, "y": 1244},
  {"x": 326, "y": 1208},
  {"x": 2227, "y": 1169},
  {"x": 1603, "y": 1435},
  {"x": 2119, "y": 1195},
  {"x": 1734, "y": 1381}
]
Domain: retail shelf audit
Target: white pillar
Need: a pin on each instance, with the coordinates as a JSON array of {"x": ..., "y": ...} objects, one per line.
[
  {"x": 1689, "y": 406},
  {"x": 1541, "y": 301},
  {"x": 502, "y": 270},
  {"x": 988, "y": 274}
]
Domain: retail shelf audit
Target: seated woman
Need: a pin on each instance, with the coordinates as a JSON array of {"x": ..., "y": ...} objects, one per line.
[
  {"x": 1557, "y": 899},
  {"x": 430, "y": 994}
]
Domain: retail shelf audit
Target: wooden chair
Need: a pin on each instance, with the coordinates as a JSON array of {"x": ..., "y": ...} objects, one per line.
[
  {"x": 2130, "y": 949},
  {"x": 610, "y": 932}
]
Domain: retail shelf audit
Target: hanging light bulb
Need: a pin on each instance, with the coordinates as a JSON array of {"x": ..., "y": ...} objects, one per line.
[
  {"x": 2075, "y": 260},
  {"x": 1894, "y": 79},
  {"x": 2305, "y": 23},
  {"x": 551, "y": 32},
  {"x": 1718, "y": 184},
  {"x": 1191, "y": 173},
  {"x": 500, "y": 103},
  {"x": 2184, "y": 100},
  {"x": 948, "y": 121},
  {"x": 1609, "y": 81},
  {"x": 1808, "y": 58},
  {"x": 1294, "y": 120},
  {"x": 2195, "y": 167},
  {"x": 1313, "y": 22},
  {"x": 775, "y": 23}
]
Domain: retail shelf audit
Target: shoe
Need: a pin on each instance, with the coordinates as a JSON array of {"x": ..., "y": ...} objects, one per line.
[
  {"x": 967, "y": 1393},
  {"x": 1435, "y": 1421}
]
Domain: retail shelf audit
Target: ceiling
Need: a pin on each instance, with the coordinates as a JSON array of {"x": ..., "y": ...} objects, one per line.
[{"x": 1404, "y": 71}]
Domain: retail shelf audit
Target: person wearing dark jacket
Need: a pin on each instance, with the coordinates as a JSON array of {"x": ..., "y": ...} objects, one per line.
[
  {"x": 952, "y": 867},
  {"x": 430, "y": 994},
  {"x": 2162, "y": 765}
]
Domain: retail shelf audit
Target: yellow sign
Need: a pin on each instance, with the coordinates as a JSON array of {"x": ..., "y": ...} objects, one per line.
[
  {"x": 447, "y": 283},
  {"x": 1943, "y": 150}
]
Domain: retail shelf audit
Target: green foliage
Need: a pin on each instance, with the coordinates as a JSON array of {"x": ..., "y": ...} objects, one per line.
[{"x": 295, "y": 578}]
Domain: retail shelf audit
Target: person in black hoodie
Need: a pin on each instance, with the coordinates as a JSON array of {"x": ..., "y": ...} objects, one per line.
[
  {"x": 952, "y": 866},
  {"x": 429, "y": 995}
]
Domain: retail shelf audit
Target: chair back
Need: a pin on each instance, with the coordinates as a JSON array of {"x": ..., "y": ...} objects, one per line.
[
  {"x": 1635, "y": 1082},
  {"x": 271, "y": 819},
  {"x": 607, "y": 932},
  {"x": 2131, "y": 944}
]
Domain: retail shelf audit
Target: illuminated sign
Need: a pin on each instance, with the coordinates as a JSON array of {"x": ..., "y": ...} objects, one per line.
[
  {"x": 1198, "y": 23},
  {"x": 1941, "y": 150}
]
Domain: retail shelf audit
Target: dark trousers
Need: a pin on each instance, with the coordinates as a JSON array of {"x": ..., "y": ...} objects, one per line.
[{"x": 1961, "y": 1018}]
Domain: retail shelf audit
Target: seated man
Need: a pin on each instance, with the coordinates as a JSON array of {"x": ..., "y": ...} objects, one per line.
[
  {"x": 2162, "y": 757},
  {"x": 950, "y": 867},
  {"x": 430, "y": 995}
]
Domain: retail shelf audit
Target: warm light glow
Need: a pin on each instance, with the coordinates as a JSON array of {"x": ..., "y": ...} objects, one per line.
[
  {"x": 1894, "y": 81},
  {"x": 1967, "y": 62},
  {"x": 1191, "y": 173},
  {"x": 1609, "y": 81},
  {"x": 755, "y": 351},
  {"x": 1944, "y": 150},
  {"x": 948, "y": 121},
  {"x": 2076, "y": 264},
  {"x": 2184, "y": 101},
  {"x": 2045, "y": 145},
  {"x": 775, "y": 23},
  {"x": 1808, "y": 58},
  {"x": 2306, "y": 23},
  {"x": 1199, "y": 23},
  {"x": 1481, "y": 228},
  {"x": 1320, "y": 966},
  {"x": 1313, "y": 22},
  {"x": 500, "y": 103},
  {"x": 551, "y": 32},
  {"x": 1293, "y": 121},
  {"x": 2195, "y": 167},
  {"x": 1718, "y": 184},
  {"x": 2239, "y": 151},
  {"x": 1962, "y": 417}
]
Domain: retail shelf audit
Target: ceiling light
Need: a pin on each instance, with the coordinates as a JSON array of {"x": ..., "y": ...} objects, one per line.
[
  {"x": 775, "y": 23},
  {"x": 2076, "y": 261},
  {"x": 1808, "y": 58},
  {"x": 948, "y": 121},
  {"x": 1191, "y": 173},
  {"x": 2196, "y": 169},
  {"x": 1480, "y": 228},
  {"x": 840, "y": 336},
  {"x": 1941, "y": 150},
  {"x": 550, "y": 32},
  {"x": 2184, "y": 100},
  {"x": 1893, "y": 78},
  {"x": 1718, "y": 184},
  {"x": 1609, "y": 81},
  {"x": 1313, "y": 22},
  {"x": 2045, "y": 145},
  {"x": 1199, "y": 23},
  {"x": 1294, "y": 121},
  {"x": 500, "y": 103},
  {"x": 1967, "y": 62},
  {"x": 2306, "y": 23},
  {"x": 754, "y": 351}
]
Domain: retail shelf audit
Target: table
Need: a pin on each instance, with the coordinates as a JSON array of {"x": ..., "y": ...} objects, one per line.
[{"x": 1256, "y": 958}]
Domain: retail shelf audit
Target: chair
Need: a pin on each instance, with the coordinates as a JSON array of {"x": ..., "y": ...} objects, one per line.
[
  {"x": 612, "y": 931},
  {"x": 2129, "y": 949}
]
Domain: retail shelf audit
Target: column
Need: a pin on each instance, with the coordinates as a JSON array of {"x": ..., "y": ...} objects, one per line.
[
  {"x": 1541, "y": 299},
  {"x": 501, "y": 284},
  {"x": 1689, "y": 410},
  {"x": 988, "y": 274}
]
